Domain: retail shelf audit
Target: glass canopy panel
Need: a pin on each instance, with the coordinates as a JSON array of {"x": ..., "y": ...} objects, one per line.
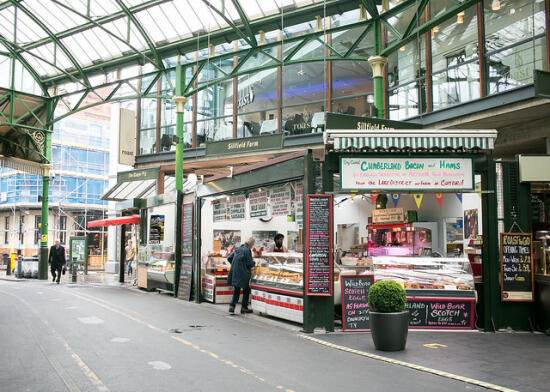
[{"x": 59, "y": 18}]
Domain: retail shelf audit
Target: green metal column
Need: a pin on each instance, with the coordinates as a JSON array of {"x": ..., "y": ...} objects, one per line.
[
  {"x": 180, "y": 104},
  {"x": 318, "y": 311},
  {"x": 46, "y": 167},
  {"x": 377, "y": 64}
]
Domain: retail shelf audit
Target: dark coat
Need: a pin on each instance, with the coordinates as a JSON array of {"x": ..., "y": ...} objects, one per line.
[
  {"x": 241, "y": 265},
  {"x": 57, "y": 256}
]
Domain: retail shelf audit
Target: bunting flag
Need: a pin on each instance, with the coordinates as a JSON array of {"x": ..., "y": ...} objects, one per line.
[
  {"x": 439, "y": 198},
  {"x": 418, "y": 198},
  {"x": 459, "y": 195},
  {"x": 478, "y": 188},
  {"x": 395, "y": 197},
  {"x": 373, "y": 197}
]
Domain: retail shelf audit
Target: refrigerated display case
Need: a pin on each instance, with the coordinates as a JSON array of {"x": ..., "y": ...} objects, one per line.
[
  {"x": 214, "y": 282},
  {"x": 156, "y": 267},
  {"x": 399, "y": 239},
  {"x": 277, "y": 285}
]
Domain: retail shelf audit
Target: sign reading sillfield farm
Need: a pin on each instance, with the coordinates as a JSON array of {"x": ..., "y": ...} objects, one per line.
[{"x": 399, "y": 174}]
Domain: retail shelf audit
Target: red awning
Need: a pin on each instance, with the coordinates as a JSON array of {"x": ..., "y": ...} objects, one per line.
[{"x": 119, "y": 220}]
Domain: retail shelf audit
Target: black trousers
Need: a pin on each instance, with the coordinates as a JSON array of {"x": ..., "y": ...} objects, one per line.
[
  {"x": 237, "y": 294},
  {"x": 54, "y": 269}
]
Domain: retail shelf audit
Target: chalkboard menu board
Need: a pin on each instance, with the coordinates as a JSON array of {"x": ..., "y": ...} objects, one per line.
[
  {"x": 187, "y": 229},
  {"x": 355, "y": 309},
  {"x": 441, "y": 313},
  {"x": 186, "y": 276},
  {"x": 516, "y": 272},
  {"x": 319, "y": 245}
]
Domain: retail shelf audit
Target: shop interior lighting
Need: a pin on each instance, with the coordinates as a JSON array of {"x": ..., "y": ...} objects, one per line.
[{"x": 495, "y": 5}]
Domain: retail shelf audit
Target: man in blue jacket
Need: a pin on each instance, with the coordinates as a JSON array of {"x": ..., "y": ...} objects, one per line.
[{"x": 240, "y": 273}]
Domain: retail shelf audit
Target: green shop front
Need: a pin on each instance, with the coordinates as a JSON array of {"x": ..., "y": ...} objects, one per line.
[{"x": 418, "y": 206}]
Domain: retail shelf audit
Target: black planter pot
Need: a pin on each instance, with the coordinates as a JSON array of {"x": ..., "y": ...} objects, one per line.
[{"x": 389, "y": 330}]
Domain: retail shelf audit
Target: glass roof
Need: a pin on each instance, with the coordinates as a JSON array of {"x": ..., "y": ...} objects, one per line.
[{"x": 56, "y": 37}]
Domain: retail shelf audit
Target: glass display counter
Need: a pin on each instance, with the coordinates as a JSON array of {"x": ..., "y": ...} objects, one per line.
[
  {"x": 277, "y": 285},
  {"x": 214, "y": 282},
  {"x": 156, "y": 267}
]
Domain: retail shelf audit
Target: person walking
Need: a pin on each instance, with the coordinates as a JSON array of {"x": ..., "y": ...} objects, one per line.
[
  {"x": 57, "y": 260},
  {"x": 240, "y": 274},
  {"x": 130, "y": 256}
]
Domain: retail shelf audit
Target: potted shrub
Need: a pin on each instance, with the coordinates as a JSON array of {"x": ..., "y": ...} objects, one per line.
[{"x": 389, "y": 319}]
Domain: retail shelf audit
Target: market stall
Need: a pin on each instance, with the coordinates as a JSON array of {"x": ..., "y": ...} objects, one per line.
[{"x": 409, "y": 207}]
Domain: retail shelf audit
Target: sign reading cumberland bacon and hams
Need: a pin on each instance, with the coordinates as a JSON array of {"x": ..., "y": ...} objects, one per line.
[{"x": 408, "y": 174}]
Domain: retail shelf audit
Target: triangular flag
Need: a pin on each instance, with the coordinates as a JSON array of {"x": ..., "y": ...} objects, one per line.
[
  {"x": 395, "y": 197},
  {"x": 373, "y": 197},
  {"x": 478, "y": 188},
  {"x": 439, "y": 198},
  {"x": 418, "y": 198},
  {"x": 459, "y": 195}
]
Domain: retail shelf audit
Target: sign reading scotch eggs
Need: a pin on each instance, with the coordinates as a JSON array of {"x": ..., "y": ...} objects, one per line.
[{"x": 406, "y": 174}]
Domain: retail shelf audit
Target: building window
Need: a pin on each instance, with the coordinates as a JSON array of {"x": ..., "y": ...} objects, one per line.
[
  {"x": 37, "y": 226},
  {"x": 515, "y": 43},
  {"x": 62, "y": 229},
  {"x": 7, "y": 232}
]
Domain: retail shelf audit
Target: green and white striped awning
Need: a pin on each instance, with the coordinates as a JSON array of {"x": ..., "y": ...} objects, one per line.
[{"x": 411, "y": 139}]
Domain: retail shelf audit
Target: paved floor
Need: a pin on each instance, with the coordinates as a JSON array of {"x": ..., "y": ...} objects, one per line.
[{"x": 100, "y": 335}]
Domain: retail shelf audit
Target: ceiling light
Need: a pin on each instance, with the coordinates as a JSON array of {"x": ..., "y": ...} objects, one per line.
[
  {"x": 436, "y": 29},
  {"x": 460, "y": 17},
  {"x": 402, "y": 49},
  {"x": 495, "y": 5}
]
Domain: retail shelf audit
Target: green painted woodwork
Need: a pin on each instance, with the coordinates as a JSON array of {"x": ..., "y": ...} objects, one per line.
[
  {"x": 318, "y": 311},
  {"x": 180, "y": 82}
]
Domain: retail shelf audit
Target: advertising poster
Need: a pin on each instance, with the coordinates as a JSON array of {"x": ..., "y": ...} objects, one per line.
[
  {"x": 220, "y": 209},
  {"x": 280, "y": 200},
  {"x": 258, "y": 204},
  {"x": 227, "y": 238},
  {"x": 237, "y": 207},
  {"x": 470, "y": 223},
  {"x": 156, "y": 229},
  {"x": 264, "y": 239},
  {"x": 299, "y": 203}
]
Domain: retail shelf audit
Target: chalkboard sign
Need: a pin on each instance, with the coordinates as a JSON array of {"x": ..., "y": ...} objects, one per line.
[
  {"x": 187, "y": 229},
  {"x": 441, "y": 313},
  {"x": 355, "y": 309},
  {"x": 186, "y": 277},
  {"x": 516, "y": 267},
  {"x": 319, "y": 245}
]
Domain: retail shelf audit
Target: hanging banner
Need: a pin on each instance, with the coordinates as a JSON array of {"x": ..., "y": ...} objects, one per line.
[
  {"x": 379, "y": 174},
  {"x": 395, "y": 198},
  {"x": 373, "y": 197},
  {"x": 258, "y": 204},
  {"x": 459, "y": 196},
  {"x": 237, "y": 207},
  {"x": 220, "y": 209},
  {"x": 439, "y": 198},
  {"x": 299, "y": 203},
  {"x": 280, "y": 200},
  {"x": 418, "y": 199}
]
